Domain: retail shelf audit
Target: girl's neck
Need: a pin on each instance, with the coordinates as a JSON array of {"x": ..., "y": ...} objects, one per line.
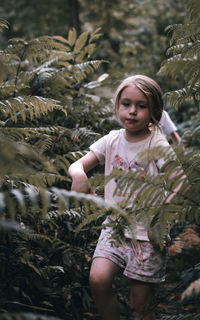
[{"x": 136, "y": 137}]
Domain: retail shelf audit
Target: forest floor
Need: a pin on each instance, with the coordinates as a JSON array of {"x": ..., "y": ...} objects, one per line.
[{"x": 170, "y": 306}]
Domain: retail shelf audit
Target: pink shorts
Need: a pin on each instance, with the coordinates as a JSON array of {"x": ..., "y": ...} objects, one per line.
[{"x": 138, "y": 259}]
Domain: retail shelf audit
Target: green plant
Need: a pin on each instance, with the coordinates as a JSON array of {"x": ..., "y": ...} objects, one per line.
[{"x": 39, "y": 137}]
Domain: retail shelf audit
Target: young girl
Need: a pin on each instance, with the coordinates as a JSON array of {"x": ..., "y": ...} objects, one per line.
[{"x": 138, "y": 106}]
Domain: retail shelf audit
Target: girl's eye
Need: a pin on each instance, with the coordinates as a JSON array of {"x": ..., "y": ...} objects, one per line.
[
  {"x": 142, "y": 106},
  {"x": 125, "y": 104}
]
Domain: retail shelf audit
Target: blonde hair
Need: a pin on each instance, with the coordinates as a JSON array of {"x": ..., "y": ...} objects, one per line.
[{"x": 150, "y": 89}]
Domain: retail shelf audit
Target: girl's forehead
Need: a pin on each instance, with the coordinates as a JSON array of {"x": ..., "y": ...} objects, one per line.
[{"x": 132, "y": 92}]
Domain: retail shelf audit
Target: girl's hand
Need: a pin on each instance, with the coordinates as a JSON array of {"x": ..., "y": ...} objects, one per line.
[{"x": 78, "y": 171}]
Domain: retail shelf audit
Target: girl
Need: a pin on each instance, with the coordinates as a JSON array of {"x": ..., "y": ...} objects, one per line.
[{"x": 138, "y": 107}]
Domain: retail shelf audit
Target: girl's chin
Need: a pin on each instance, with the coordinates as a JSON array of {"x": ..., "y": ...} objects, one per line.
[{"x": 131, "y": 128}]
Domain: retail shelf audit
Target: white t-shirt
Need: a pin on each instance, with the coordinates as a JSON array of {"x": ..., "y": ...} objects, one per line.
[
  {"x": 115, "y": 151},
  {"x": 166, "y": 125}
]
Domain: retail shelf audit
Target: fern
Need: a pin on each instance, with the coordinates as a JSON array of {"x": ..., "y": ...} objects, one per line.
[
  {"x": 82, "y": 134},
  {"x": 184, "y": 60},
  {"x": 184, "y": 316},
  {"x": 34, "y": 106},
  {"x": 48, "y": 73},
  {"x": 3, "y": 24},
  {"x": 26, "y": 316}
]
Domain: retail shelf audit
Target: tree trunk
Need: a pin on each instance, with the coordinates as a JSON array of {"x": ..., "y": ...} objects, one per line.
[{"x": 75, "y": 15}]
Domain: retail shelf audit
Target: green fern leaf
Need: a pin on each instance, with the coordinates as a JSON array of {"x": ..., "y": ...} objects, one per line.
[
  {"x": 34, "y": 106},
  {"x": 3, "y": 24},
  {"x": 72, "y": 37},
  {"x": 95, "y": 35},
  {"x": 80, "y": 42}
]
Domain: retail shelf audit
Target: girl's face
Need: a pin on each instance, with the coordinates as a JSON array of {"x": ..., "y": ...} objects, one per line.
[{"x": 134, "y": 113}]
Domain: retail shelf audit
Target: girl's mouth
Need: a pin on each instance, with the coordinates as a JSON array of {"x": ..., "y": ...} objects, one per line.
[{"x": 131, "y": 120}]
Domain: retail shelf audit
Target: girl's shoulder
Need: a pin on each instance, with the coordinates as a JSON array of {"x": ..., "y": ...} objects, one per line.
[
  {"x": 158, "y": 140},
  {"x": 114, "y": 135},
  {"x": 115, "y": 132},
  {"x": 108, "y": 139}
]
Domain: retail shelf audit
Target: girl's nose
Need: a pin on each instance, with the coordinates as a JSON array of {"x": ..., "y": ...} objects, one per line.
[{"x": 133, "y": 109}]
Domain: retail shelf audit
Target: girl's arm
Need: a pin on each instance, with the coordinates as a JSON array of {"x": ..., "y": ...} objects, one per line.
[{"x": 78, "y": 171}]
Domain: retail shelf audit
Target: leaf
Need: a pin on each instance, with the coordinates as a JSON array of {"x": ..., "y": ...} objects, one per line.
[
  {"x": 3, "y": 24},
  {"x": 34, "y": 106},
  {"x": 95, "y": 35},
  {"x": 72, "y": 37},
  {"x": 80, "y": 42}
]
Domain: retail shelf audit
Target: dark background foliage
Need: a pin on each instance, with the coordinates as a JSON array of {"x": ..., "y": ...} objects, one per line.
[{"x": 60, "y": 63}]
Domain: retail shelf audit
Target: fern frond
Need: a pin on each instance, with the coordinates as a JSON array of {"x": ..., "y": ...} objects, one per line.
[
  {"x": 86, "y": 52},
  {"x": 84, "y": 133},
  {"x": 80, "y": 42},
  {"x": 182, "y": 316},
  {"x": 50, "y": 134},
  {"x": 73, "y": 156},
  {"x": 19, "y": 201},
  {"x": 27, "y": 315},
  {"x": 62, "y": 162},
  {"x": 185, "y": 56},
  {"x": 194, "y": 7},
  {"x": 95, "y": 35},
  {"x": 57, "y": 214},
  {"x": 93, "y": 206},
  {"x": 181, "y": 37},
  {"x": 9, "y": 64},
  {"x": 3, "y": 24},
  {"x": 44, "y": 50},
  {"x": 45, "y": 179},
  {"x": 29, "y": 166},
  {"x": 192, "y": 137},
  {"x": 38, "y": 198},
  {"x": 72, "y": 37},
  {"x": 9, "y": 60},
  {"x": 176, "y": 97},
  {"x": 82, "y": 70},
  {"x": 33, "y": 106}
]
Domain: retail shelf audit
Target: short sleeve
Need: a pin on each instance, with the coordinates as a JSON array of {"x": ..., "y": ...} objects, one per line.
[
  {"x": 160, "y": 141},
  {"x": 103, "y": 146},
  {"x": 99, "y": 149}
]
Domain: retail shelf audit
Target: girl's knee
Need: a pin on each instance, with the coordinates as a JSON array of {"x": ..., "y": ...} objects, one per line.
[
  {"x": 99, "y": 282},
  {"x": 97, "y": 279},
  {"x": 138, "y": 306},
  {"x": 102, "y": 274},
  {"x": 140, "y": 295}
]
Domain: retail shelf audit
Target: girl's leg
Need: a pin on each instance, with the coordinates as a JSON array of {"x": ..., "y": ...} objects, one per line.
[
  {"x": 140, "y": 295},
  {"x": 102, "y": 274}
]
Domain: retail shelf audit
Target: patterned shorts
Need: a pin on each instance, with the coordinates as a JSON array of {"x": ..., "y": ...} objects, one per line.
[{"x": 138, "y": 259}]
